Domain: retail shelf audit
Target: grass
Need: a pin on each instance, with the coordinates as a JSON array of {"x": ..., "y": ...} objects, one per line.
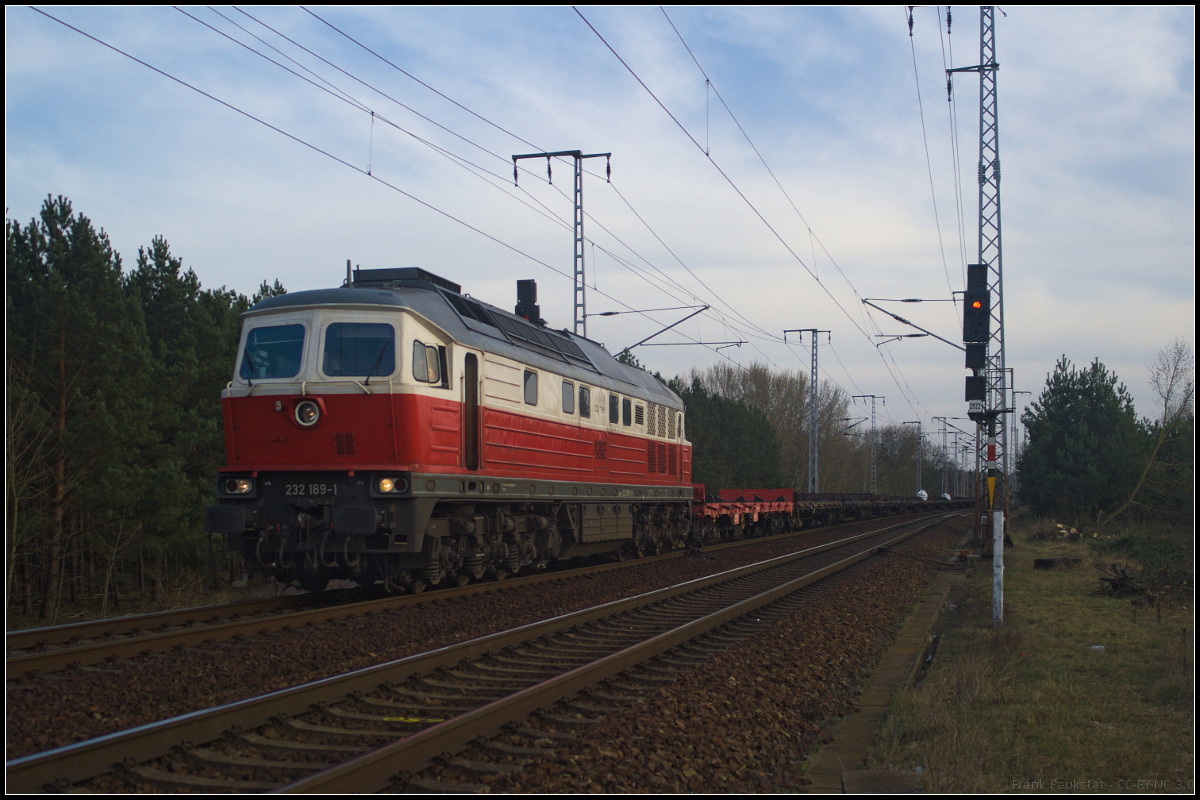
[{"x": 1033, "y": 705}]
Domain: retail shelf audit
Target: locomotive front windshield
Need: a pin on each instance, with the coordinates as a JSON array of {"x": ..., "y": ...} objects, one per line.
[
  {"x": 359, "y": 349},
  {"x": 273, "y": 352}
]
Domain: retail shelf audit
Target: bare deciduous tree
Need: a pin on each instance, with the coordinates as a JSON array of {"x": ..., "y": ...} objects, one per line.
[{"x": 1173, "y": 376}]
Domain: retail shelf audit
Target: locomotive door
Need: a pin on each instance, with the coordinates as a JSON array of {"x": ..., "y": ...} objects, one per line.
[
  {"x": 471, "y": 412},
  {"x": 600, "y": 454},
  {"x": 600, "y": 451}
]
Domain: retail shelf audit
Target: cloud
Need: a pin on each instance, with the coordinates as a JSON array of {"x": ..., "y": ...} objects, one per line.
[{"x": 1097, "y": 145}]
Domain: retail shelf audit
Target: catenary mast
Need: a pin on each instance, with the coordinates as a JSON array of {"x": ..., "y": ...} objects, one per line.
[{"x": 992, "y": 463}]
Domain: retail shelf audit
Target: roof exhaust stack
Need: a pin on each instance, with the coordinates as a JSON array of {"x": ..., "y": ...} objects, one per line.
[{"x": 527, "y": 305}]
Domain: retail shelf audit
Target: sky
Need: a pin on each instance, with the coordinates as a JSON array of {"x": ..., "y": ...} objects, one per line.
[{"x": 778, "y": 164}]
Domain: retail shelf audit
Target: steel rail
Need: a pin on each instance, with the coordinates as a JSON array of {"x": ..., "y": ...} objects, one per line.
[
  {"x": 84, "y": 760},
  {"x": 374, "y": 770},
  {"x": 93, "y": 652},
  {"x": 59, "y": 634},
  {"x": 222, "y": 622}
]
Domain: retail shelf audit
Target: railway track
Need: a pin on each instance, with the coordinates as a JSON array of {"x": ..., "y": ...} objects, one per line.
[
  {"x": 357, "y": 732},
  {"x": 57, "y": 647},
  {"x": 60, "y": 647},
  {"x": 50, "y": 649}
]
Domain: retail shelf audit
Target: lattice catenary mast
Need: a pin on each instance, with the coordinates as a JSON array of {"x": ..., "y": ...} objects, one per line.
[
  {"x": 995, "y": 388},
  {"x": 580, "y": 284},
  {"x": 813, "y": 395},
  {"x": 874, "y": 439}
]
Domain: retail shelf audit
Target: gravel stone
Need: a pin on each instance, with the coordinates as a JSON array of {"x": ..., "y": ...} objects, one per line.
[
  {"x": 747, "y": 720},
  {"x": 53, "y": 710}
]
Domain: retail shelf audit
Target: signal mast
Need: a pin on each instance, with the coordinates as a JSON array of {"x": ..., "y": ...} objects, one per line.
[{"x": 983, "y": 320}]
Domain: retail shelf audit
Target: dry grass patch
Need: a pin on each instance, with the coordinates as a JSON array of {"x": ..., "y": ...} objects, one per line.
[{"x": 1034, "y": 705}]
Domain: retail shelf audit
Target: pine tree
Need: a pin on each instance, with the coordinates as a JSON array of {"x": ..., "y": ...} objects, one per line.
[
  {"x": 186, "y": 423},
  {"x": 1086, "y": 444},
  {"x": 733, "y": 445},
  {"x": 82, "y": 352}
]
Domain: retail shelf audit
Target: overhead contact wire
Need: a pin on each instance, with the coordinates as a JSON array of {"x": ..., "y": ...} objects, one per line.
[
  {"x": 715, "y": 297},
  {"x": 489, "y": 122},
  {"x": 465, "y": 139},
  {"x": 928, "y": 162},
  {"x": 767, "y": 166},
  {"x": 794, "y": 255},
  {"x": 338, "y": 159}
]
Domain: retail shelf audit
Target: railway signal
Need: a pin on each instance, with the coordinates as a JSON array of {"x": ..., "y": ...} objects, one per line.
[
  {"x": 977, "y": 306},
  {"x": 985, "y": 288},
  {"x": 977, "y": 326}
]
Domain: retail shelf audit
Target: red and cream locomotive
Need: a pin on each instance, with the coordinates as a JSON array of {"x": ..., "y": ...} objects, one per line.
[{"x": 395, "y": 430}]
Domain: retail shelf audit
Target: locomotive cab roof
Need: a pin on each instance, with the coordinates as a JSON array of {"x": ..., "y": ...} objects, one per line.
[{"x": 481, "y": 326}]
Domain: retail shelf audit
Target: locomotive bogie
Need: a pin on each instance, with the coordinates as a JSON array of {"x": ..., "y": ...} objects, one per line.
[{"x": 313, "y": 527}]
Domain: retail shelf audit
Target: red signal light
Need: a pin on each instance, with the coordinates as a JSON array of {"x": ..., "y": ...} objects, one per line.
[{"x": 976, "y": 313}]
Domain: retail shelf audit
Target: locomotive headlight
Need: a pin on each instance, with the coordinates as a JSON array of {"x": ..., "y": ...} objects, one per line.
[
  {"x": 391, "y": 485},
  {"x": 307, "y": 413},
  {"x": 238, "y": 486}
]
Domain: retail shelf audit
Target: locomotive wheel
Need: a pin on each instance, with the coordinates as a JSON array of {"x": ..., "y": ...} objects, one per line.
[
  {"x": 462, "y": 579},
  {"x": 417, "y": 586}
]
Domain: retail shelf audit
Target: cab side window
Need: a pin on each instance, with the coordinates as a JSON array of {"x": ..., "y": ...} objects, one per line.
[
  {"x": 585, "y": 401},
  {"x": 568, "y": 398},
  {"x": 426, "y": 363},
  {"x": 614, "y": 414},
  {"x": 531, "y": 394},
  {"x": 626, "y": 412}
]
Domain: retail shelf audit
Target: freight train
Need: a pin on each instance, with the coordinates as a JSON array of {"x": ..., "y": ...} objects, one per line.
[{"x": 395, "y": 430}]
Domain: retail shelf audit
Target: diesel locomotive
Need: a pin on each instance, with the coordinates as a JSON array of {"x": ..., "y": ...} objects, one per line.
[{"x": 395, "y": 430}]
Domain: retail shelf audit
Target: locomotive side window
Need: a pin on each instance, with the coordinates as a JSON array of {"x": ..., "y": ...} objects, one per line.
[
  {"x": 272, "y": 352},
  {"x": 614, "y": 414},
  {"x": 530, "y": 388},
  {"x": 426, "y": 363},
  {"x": 359, "y": 349},
  {"x": 626, "y": 412},
  {"x": 568, "y": 397},
  {"x": 445, "y": 369},
  {"x": 585, "y": 401}
]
